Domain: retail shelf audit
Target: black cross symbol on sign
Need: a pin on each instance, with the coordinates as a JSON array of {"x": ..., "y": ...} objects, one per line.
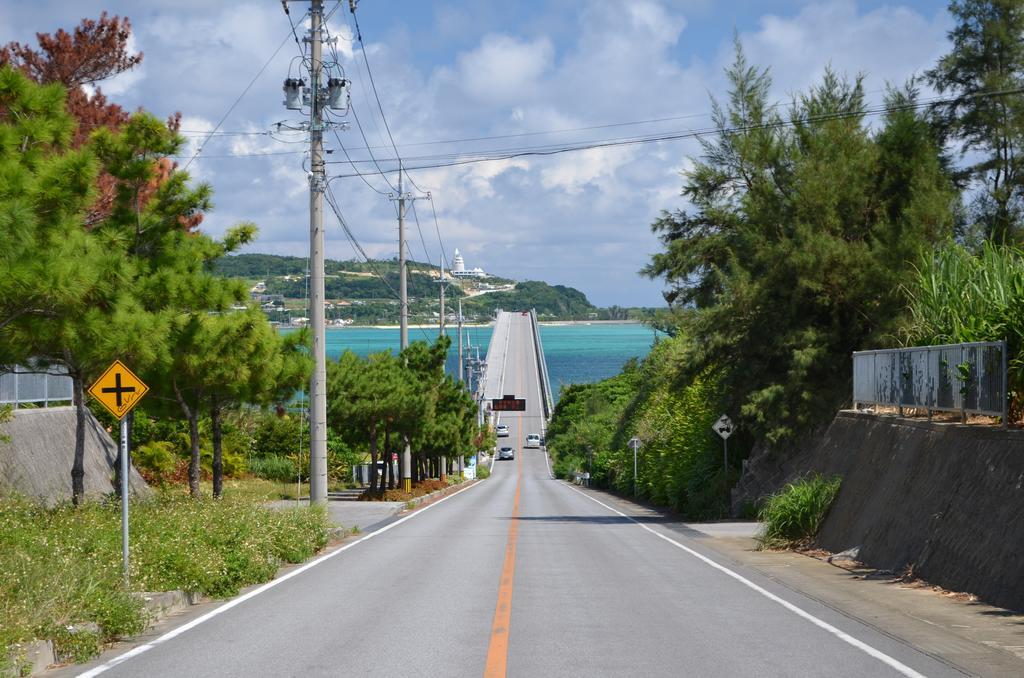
[{"x": 117, "y": 389}]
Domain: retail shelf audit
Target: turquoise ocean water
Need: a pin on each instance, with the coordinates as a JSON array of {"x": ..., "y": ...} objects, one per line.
[{"x": 575, "y": 353}]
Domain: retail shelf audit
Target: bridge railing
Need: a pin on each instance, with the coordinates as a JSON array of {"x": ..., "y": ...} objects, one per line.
[
  {"x": 965, "y": 378},
  {"x": 542, "y": 366},
  {"x": 27, "y": 385}
]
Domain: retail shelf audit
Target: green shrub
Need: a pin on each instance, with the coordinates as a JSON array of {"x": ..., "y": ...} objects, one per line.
[
  {"x": 483, "y": 471},
  {"x": 232, "y": 463},
  {"x": 792, "y": 516},
  {"x": 62, "y": 567},
  {"x": 273, "y": 467},
  {"x": 157, "y": 457},
  {"x": 279, "y": 435}
]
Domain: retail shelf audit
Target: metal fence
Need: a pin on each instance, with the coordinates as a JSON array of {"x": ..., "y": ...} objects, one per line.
[
  {"x": 965, "y": 378},
  {"x": 542, "y": 366},
  {"x": 26, "y": 385}
]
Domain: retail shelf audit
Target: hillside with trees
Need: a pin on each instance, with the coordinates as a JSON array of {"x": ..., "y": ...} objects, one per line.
[
  {"x": 812, "y": 232},
  {"x": 374, "y": 285}
]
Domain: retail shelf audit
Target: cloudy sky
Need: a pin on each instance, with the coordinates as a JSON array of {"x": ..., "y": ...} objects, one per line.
[{"x": 450, "y": 72}]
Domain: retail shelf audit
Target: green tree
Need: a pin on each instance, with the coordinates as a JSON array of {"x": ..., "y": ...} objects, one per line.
[
  {"x": 369, "y": 399},
  {"x": 796, "y": 244},
  {"x": 251, "y": 364},
  {"x": 70, "y": 302},
  {"x": 46, "y": 190},
  {"x": 984, "y": 75}
]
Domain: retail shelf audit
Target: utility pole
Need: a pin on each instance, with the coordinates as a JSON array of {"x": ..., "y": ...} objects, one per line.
[
  {"x": 403, "y": 306},
  {"x": 460, "y": 340},
  {"x": 440, "y": 325},
  {"x": 403, "y": 320},
  {"x": 403, "y": 291},
  {"x": 317, "y": 183}
]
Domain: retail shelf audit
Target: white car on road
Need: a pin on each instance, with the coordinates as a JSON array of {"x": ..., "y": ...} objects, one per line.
[
  {"x": 502, "y": 430},
  {"x": 532, "y": 440}
]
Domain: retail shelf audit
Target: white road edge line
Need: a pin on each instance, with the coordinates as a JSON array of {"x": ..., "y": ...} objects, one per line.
[
  {"x": 895, "y": 664},
  {"x": 136, "y": 651}
]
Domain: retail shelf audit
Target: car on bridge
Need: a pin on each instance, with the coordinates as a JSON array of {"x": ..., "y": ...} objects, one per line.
[
  {"x": 502, "y": 430},
  {"x": 532, "y": 440},
  {"x": 506, "y": 453}
]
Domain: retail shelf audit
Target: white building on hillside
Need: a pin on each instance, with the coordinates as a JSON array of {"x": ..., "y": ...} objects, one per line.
[{"x": 459, "y": 269}]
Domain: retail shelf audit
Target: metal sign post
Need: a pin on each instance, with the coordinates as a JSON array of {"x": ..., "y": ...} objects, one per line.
[
  {"x": 124, "y": 497},
  {"x": 119, "y": 390},
  {"x": 723, "y": 427},
  {"x": 634, "y": 444}
]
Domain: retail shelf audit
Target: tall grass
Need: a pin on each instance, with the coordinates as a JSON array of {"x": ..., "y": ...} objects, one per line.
[
  {"x": 960, "y": 296},
  {"x": 792, "y": 516},
  {"x": 62, "y": 567}
]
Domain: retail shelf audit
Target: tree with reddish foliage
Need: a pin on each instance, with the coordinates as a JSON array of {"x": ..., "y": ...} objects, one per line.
[{"x": 96, "y": 50}]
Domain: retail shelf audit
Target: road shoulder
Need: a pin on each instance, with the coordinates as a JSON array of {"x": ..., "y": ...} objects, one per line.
[{"x": 977, "y": 638}]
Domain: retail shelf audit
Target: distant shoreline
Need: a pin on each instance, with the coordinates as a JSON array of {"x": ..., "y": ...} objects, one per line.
[
  {"x": 453, "y": 328},
  {"x": 591, "y": 322}
]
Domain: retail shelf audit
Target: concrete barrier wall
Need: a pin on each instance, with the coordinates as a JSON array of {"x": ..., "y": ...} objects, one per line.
[
  {"x": 36, "y": 461},
  {"x": 944, "y": 500}
]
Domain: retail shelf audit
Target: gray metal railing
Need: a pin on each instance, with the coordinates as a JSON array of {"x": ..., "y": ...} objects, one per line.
[
  {"x": 542, "y": 365},
  {"x": 28, "y": 385},
  {"x": 965, "y": 378}
]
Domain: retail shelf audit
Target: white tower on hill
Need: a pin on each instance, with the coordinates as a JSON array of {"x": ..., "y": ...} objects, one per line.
[{"x": 459, "y": 269}]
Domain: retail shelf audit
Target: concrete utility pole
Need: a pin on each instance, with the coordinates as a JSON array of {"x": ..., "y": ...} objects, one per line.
[
  {"x": 460, "y": 340},
  {"x": 403, "y": 319},
  {"x": 318, "y": 387},
  {"x": 403, "y": 290},
  {"x": 403, "y": 306},
  {"x": 440, "y": 325}
]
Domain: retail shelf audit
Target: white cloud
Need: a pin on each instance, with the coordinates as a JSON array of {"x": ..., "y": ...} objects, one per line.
[
  {"x": 888, "y": 44},
  {"x": 478, "y": 70},
  {"x": 504, "y": 69}
]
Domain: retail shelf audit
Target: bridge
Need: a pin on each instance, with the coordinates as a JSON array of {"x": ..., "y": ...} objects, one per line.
[{"x": 516, "y": 367}]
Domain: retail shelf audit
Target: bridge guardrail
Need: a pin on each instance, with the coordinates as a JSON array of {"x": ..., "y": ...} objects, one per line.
[
  {"x": 542, "y": 366},
  {"x": 966, "y": 378}
]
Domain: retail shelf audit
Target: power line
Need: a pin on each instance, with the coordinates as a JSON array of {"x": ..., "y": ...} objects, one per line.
[
  {"x": 362, "y": 133},
  {"x": 236, "y": 101},
  {"x": 373, "y": 85},
  {"x": 394, "y": 146},
  {"x": 437, "y": 229},
  {"x": 332, "y": 201},
  {"x": 354, "y": 168},
  {"x": 462, "y": 159},
  {"x": 423, "y": 242},
  {"x": 471, "y": 157}
]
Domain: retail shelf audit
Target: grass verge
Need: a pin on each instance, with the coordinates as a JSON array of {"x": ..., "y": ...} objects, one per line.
[
  {"x": 62, "y": 566},
  {"x": 792, "y": 516}
]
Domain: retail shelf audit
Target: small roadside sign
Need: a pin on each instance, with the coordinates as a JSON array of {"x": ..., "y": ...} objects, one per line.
[
  {"x": 723, "y": 427},
  {"x": 634, "y": 444},
  {"x": 118, "y": 389}
]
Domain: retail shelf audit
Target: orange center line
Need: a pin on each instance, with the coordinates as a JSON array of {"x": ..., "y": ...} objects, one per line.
[{"x": 497, "y": 650}]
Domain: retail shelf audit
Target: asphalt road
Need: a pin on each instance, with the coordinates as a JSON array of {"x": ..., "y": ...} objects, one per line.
[{"x": 523, "y": 575}]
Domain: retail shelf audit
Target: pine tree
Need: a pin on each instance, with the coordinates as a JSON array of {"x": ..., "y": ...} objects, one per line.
[
  {"x": 984, "y": 75},
  {"x": 797, "y": 242}
]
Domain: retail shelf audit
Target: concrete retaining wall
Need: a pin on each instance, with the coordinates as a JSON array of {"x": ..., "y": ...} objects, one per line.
[
  {"x": 946, "y": 500},
  {"x": 37, "y": 460}
]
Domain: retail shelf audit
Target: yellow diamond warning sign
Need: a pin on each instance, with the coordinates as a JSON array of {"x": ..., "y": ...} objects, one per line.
[{"x": 118, "y": 389}]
